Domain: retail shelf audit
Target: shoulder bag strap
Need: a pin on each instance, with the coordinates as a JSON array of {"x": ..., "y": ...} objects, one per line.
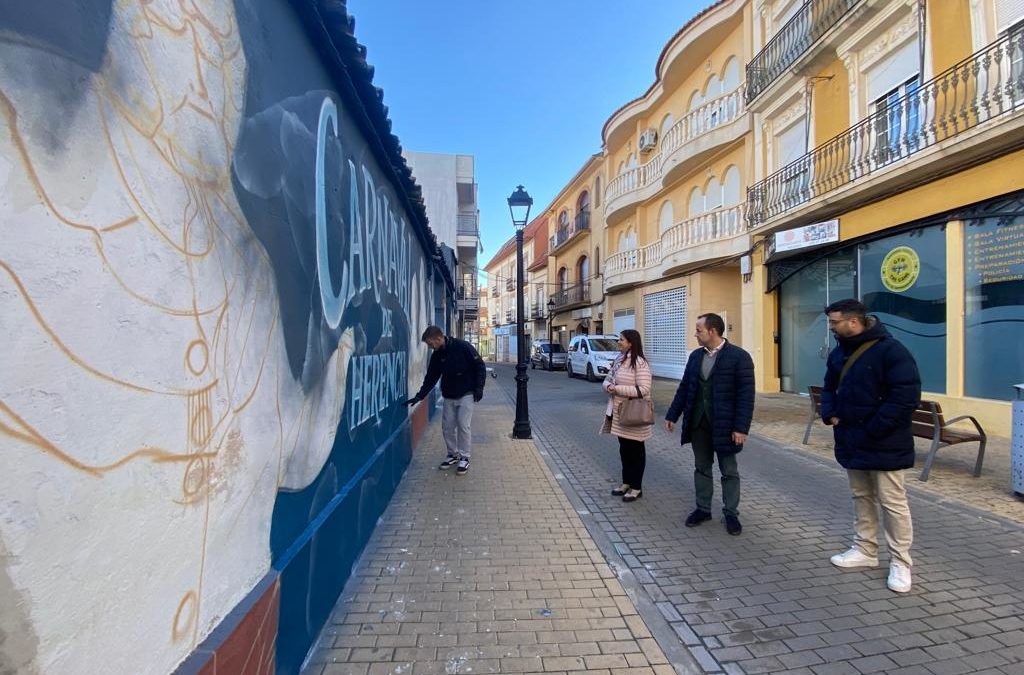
[{"x": 853, "y": 358}]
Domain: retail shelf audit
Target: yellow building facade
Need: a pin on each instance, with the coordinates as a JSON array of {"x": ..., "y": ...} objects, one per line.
[{"x": 789, "y": 154}]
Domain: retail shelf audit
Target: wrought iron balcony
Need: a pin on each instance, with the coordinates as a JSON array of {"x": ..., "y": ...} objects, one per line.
[
  {"x": 580, "y": 224},
  {"x": 494, "y": 291},
  {"x": 509, "y": 316},
  {"x": 987, "y": 85},
  {"x": 811, "y": 21},
  {"x": 573, "y": 295},
  {"x": 510, "y": 284},
  {"x": 537, "y": 311}
]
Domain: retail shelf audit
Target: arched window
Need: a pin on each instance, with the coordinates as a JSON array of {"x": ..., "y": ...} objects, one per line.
[
  {"x": 696, "y": 203},
  {"x": 583, "y": 269},
  {"x": 731, "y": 187},
  {"x": 563, "y": 220},
  {"x": 665, "y": 216},
  {"x": 666, "y": 124},
  {"x": 597, "y": 191},
  {"x": 713, "y": 195},
  {"x": 563, "y": 279},
  {"x": 583, "y": 203},
  {"x": 630, "y": 238},
  {"x": 696, "y": 98},
  {"x": 622, "y": 167},
  {"x": 731, "y": 74},
  {"x": 712, "y": 88},
  {"x": 632, "y": 161},
  {"x": 622, "y": 241}
]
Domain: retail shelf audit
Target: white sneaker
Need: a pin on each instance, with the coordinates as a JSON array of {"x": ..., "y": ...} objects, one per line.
[
  {"x": 853, "y": 558},
  {"x": 899, "y": 578}
]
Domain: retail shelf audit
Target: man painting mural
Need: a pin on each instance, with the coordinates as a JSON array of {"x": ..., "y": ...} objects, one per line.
[{"x": 463, "y": 374}]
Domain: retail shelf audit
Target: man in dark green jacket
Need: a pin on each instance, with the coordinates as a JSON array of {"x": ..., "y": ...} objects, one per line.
[
  {"x": 716, "y": 400},
  {"x": 462, "y": 373}
]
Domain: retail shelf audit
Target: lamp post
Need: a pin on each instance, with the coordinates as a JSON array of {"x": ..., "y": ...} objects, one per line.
[
  {"x": 551, "y": 334},
  {"x": 519, "y": 203}
]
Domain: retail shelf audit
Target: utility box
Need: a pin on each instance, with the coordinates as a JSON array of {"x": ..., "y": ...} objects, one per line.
[{"x": 1017, "y": 445}]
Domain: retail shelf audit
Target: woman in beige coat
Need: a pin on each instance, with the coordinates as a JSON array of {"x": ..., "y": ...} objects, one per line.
[{"x": 629, "y": 373}]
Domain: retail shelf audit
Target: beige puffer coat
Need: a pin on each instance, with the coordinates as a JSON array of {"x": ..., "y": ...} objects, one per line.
[{"x": 626, "y": 381}]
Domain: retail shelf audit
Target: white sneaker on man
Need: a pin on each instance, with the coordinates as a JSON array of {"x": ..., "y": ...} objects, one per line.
[
  {"x": 853, "y": 558},
  {"x": 899, "y": 578}
]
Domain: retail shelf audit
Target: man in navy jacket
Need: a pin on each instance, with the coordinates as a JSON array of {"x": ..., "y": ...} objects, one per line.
[
  {"x": 716, "y": 399},
  {"x": 872, "y": 387},
  {"x": 462, "y": 373}
]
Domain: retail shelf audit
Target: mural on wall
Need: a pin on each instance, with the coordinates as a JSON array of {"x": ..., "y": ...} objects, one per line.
[{"x": 212, "y": 299}]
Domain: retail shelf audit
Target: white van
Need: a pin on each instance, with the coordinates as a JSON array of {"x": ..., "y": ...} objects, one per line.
[{"x": 592, "y": 355}]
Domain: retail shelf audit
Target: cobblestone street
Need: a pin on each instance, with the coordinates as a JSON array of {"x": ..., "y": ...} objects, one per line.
[{"x": 769, "y": 601}]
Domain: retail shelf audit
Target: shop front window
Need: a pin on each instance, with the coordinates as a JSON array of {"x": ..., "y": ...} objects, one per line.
[
  {"x": 903, "y": 283},
  {"x": 994, "y": 305}
]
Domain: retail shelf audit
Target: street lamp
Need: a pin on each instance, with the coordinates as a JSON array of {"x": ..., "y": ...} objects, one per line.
[
  {"x": 519, "y": 203},
  {"x": 551, "y": 335}
]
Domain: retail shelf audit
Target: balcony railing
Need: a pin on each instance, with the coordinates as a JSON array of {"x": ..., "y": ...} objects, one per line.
[
  {"x": 719, "y": 224},
  {"x": 537, "y": 311},
  {"x": 508, "y": 316},
  {"x": 581, "y": 223},
  {"x": 467, "y": 225},
  {"x": 983, "y": 87},
  {"x": 510, "y": 284},
  {"x": 580, "y": 293},
  {"x": 633, "y": 259},
  {"x": 635, "y": 178},
  {"x": 494, "y": 291},
  {"x": 811, "y": 21},
  {"x": 700, "y": 121},
  {"x": 706, "y": 117}
]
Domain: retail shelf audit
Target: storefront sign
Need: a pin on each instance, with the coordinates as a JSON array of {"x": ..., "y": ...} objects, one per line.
[
  {"x": 900, "y": 269},
  {"x": 803, "y": 238},
  {"x": 996, "y": 255}
]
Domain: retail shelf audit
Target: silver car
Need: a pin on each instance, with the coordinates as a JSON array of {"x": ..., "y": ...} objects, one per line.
[{"x": 548, "y": 355}]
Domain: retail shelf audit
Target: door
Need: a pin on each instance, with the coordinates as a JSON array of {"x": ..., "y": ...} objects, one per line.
[{"x": 804, "y": 338}]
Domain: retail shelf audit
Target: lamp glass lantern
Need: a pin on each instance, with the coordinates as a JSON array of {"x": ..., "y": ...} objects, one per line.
[{"x": 519, "y": 203}]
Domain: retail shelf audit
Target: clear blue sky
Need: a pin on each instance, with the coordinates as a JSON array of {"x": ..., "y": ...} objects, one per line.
[{"x": 525, "y": 87}]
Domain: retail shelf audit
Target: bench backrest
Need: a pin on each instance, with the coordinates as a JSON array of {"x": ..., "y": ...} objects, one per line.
[{"x": 927, "y": 416}]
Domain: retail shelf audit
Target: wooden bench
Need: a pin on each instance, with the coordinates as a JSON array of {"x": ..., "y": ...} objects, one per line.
[{"x": 928, "y": 422}]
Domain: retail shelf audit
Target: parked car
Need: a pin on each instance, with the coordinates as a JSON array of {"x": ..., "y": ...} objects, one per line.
[
  {"x": 547, "y": 355},
  {"x": 592, "y": 355}
]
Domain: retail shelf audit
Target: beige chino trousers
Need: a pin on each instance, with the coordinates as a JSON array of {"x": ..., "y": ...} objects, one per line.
[{"x": 872, "y": 489}]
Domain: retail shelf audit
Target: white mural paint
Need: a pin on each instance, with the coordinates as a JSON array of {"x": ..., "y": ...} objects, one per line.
[{"x": 148, "y": 414}]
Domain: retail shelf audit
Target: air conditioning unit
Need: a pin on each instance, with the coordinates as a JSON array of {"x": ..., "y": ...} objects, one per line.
[{"x": 648, "y": 139}]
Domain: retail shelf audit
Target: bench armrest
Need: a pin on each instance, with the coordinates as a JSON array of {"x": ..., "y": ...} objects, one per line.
[{"x": 981, "y": 432}]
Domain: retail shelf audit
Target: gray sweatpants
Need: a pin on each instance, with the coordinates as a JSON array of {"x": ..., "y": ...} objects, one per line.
[{"x": 456, "y": 420}]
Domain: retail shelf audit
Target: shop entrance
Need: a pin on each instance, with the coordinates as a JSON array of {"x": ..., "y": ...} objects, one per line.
[{"x": 804, "y": 338}]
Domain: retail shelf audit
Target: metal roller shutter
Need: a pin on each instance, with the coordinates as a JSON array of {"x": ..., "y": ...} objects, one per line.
[{"x": 665, "y": 332}]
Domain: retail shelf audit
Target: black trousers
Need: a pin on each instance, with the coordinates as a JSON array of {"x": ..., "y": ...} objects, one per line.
[{"x": 634, "y": 460}]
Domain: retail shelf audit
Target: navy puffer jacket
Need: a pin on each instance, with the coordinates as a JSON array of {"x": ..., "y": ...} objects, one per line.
[
  {"x": 732, "y": 396},
  {"x": 874, "y": 403}
]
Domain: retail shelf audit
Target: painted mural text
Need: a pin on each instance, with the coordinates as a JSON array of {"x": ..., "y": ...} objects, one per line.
[
  {"x": 378, "y": 248},
  {"x": 378, "y": 380}
]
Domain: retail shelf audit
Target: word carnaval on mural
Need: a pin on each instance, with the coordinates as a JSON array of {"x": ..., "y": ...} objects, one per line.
[
  {"x": 377, "y": 259},
  {"x": 378, "y": 251}
]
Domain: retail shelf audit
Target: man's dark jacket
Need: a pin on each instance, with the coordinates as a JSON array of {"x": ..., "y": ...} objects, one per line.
[
  {"x": 460, "y": 369},
  {"x": 732, "y": 396},
  {"x": 874, "y": 403}
]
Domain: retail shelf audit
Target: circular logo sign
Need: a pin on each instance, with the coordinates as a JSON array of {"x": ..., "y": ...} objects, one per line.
[{"x": 900, "y": 269}]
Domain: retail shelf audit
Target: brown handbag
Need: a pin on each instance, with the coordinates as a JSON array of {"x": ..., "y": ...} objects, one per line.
[{"x": 636, "y": 412}]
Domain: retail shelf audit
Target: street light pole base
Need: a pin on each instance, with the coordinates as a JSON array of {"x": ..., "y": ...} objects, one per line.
[{"x": 521, "y": 428}]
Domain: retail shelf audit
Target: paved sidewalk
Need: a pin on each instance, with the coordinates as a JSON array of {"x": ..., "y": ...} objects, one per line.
[
  {"x": 492, "y": 572},
  {"x": 769, "y": 601}
]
